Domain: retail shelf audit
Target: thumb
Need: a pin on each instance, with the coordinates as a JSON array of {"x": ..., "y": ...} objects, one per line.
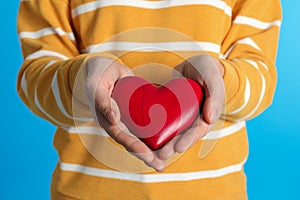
[{"x": 178, "y": 71}]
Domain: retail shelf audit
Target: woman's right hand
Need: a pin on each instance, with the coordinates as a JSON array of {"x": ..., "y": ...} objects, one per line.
[{"x": 102, "y": 74}]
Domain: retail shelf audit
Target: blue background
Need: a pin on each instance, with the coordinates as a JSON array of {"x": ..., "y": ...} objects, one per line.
[{"x": 28, "y": 157}]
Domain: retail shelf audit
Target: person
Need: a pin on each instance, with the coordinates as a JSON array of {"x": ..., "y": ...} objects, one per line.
[{"x": 75, "y": 52}]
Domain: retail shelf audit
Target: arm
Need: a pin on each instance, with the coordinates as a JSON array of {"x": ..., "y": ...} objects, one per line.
[
  {"x": 247, "y": 67},
  {"x": 249, "y": 58},
  {"x": 46, "y": 81},
  {"x": 51, "y": 61}
]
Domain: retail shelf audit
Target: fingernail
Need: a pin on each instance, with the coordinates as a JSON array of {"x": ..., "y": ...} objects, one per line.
[
  {"x": 161, "y": 169},
  {"x": 111, "y": 117},
  {"x": 183, "y": 149}
]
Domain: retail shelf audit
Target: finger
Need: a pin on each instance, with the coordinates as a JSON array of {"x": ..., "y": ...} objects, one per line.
[
  {"x": 192, "y": 135},
  {"x": 126, "y": 72},
  {"x": 215, "y": 93},
  {"x": 122, "y": 70},
  {"x": 157, "y": 163},
  {"x": 103, "y": 103},
  {"x": 139, "y": 149},
  {"x": 106, "y": 104},
  {"x": 197, "y": 68},
  {"x": 168, "y": 149},
  {"x": 178, "y": 71},
  {"x": 132, "y": 144},
  {"x": 98, "y": 91},
  {"x": 205, "y": 71}
]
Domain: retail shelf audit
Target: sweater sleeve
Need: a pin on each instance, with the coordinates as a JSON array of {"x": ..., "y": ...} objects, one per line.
[
  {"x": 52, "y": 62},
  {"x": 249, "y": 54}
]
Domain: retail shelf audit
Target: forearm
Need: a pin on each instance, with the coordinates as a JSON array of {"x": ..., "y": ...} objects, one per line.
[
  {"x": 52, "y": 63},
  {"x": 249, "y": 86},
  {"x": 45, "y": 86},
  {"x": 249, "y": 56}
]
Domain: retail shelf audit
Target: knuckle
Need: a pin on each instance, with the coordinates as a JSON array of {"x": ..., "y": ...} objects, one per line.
[
  {"x": 119, "y": 136},
  {"x": 103, "y": 106},
  {"x": 133, "y": 144}
]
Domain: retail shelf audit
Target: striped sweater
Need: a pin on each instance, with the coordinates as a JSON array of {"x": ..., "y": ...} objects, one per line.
[{"x": 57, "y": 36}]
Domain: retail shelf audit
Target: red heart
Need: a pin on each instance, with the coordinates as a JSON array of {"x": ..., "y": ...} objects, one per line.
[{"x": 157, "y": 114}]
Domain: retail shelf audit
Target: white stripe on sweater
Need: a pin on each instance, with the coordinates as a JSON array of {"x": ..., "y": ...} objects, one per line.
[
  {"x": 262, "y": 93},
  {"x": 246, "y": 41},
  {"x": 91, "y": 6},
  {"x": 264, "y": 65},
  {"x": 46, "y": 53},
  {"x": 56, "y": 93},
  {"x": 250, "y": 42},
  {"x": 152, "y": 178},
  {"x": 256, "y": 23},
  {"x": 246, "y": 98},
  {"x": 94, "y": 130},
  {"x": 24, "y": 84},
  {"x": 37, "y": 102},
  {"x": 46, "y": 31},
  {"x": 212, "y": 135},
  {"x": 154, "y": 47}
]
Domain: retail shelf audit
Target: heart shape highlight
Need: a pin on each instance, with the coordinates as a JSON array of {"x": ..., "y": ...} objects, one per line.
[{"x": 156, "y": 114}]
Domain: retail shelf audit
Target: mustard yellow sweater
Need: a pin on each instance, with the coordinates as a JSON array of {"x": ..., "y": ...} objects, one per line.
[{"x": 57, "y": 36}]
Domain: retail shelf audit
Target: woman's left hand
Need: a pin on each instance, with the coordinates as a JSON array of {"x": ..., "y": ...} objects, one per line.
[{"x": 208, "y": 72}]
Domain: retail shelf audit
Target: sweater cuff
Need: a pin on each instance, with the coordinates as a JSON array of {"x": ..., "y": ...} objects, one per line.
[{"x": 231, "y": 79}]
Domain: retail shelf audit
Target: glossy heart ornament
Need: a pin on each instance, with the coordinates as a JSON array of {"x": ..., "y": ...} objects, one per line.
[{"x": 156, "y": 114}]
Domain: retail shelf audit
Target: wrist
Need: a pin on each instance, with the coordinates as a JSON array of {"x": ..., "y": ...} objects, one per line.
[
  {"x": 95, "y": 61},
  {"x": 101, "y": 59},
  {"x": 208, "y": 61}
]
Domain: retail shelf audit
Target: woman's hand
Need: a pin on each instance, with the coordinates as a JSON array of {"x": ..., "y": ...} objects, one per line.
[
  {"x": 208, "y": 72},
  {"x": 102, "y": 74}
]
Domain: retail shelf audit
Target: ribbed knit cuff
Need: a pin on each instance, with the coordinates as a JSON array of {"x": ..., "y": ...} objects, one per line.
[{"x": 231, "y": 80}]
